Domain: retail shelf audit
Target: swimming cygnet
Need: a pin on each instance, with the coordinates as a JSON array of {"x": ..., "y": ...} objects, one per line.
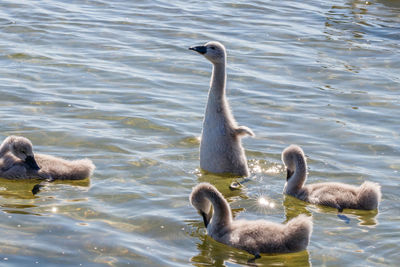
[
  {"x": 336, "y": 195},
  {"x": 17, "y": 161},
  {"x": 255, "y": 237},
  {"x": 221, "y": 149}
]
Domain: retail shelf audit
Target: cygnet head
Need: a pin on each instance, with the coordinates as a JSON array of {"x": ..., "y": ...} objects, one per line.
[
  {"x": 290, "y": 157},
  {"x": 21, "y": 147},
  {"x": 200, "y": 202},
  {"x": 213, "y": 51}
]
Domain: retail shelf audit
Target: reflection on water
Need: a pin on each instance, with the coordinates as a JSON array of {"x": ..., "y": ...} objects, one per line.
[
  {"x": 364, "y": 217},
  {"x": 349, "y": 18},
  {"x": 295, "y": 207},
  {"x": 19, "y": 209},
  {"x": 390, "y": 3},
  {"x": 17, "y": 189},
  {"x": 354, "y": 22},
  {"x": 222, "y": 183},
  {"x": 265, "y": 167},
  {"x": 217, "y": 254},
  {"x": 114, "y": 82},
  {"x": 261, "y": 202}
]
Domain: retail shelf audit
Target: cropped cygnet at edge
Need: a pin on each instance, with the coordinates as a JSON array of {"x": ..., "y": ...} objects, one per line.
[
  {"x": 255, "y": 237},
  {"x": 17, "y": 161},
  {"x": 221, "y": 148},
  {"x": 337, "y": 195}
]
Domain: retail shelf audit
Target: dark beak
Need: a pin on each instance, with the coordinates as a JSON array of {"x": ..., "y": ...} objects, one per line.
[
  {"x": 206, "y": 220},
  {"x": 289, "y": 174},
  {"x": 200, "y": 49},
  {"x": 32, "y": 163}
]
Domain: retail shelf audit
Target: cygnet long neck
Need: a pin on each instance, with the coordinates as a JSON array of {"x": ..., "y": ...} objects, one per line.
[
  {"x": 218, "y": 81},
  {"x": 222, "y": 215},
  {"x": 298, "y": 178}
]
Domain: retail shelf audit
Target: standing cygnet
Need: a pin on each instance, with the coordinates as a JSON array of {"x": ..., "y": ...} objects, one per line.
[
  {"x": 221, "y": 149},
  {"x": 17, "y": 161},
  {"x": 336, "y": 195},
  {"x": 254, "y": 237}
]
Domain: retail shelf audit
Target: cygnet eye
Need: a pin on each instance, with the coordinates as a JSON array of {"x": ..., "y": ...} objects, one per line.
[{"x": 212, "y": 47}]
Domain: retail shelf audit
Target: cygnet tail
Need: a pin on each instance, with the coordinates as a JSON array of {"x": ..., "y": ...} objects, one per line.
[
  {"x": 298, "y": 232},
  {"x": 243, "y": 131},
  {"x": 73, "y": 170},
  {"x": 369, "y": 195}
]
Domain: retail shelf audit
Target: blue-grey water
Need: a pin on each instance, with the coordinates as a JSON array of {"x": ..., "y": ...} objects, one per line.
[{"x": 114, "y": 81}]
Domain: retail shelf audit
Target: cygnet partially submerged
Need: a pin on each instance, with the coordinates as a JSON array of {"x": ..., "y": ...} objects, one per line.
[
  {"x": 336, "y": 195},
  {"x": 17, "y": 161},
  {"x": 255, "y": 237},
  {"x": 221, "y": 148}
]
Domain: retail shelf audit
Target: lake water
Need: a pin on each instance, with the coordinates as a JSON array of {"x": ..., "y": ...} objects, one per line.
[{"x": 114, "y": 81}]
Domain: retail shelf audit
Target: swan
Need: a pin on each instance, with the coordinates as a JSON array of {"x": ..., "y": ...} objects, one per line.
[
  {"x": 255, "y": 237},
  {"x": 17, "y": 161},
  {"x": 337, "y": 195},
  {"x": 221, "y": 150}
]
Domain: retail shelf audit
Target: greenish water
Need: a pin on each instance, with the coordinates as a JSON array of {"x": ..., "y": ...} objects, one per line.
[{"x": 114, "y": 81}]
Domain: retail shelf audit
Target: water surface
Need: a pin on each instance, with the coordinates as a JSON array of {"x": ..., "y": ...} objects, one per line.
[{"x": 114, "y": 81}]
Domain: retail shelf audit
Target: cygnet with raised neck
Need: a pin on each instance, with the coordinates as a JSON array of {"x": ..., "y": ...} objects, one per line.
[
  {"x": 221, "y": 149},
  {"x": 337, "y": 195},
  {"x": 255, "y": 237},
  {"x": 18, "y": 161}
]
